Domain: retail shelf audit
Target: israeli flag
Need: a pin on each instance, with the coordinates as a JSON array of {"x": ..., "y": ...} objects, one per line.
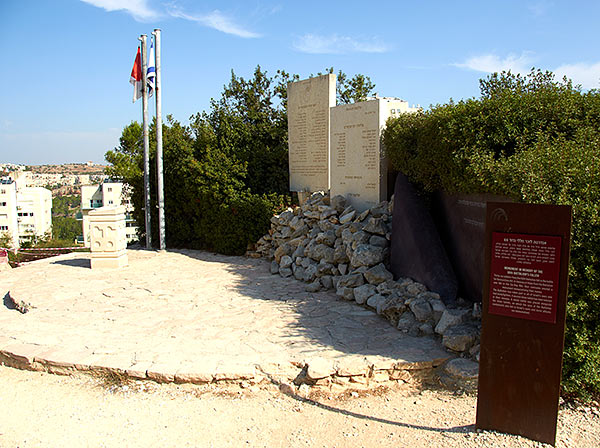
[{"x": 151, "y": 73}]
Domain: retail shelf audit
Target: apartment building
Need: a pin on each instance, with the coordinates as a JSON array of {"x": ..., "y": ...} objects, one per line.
[
  {"x": 25, "y": 212},
  {"x": 105, "y": 195}
]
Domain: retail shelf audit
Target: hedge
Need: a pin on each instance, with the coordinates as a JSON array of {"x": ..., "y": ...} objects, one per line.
[{"x": 536, "y": 140}]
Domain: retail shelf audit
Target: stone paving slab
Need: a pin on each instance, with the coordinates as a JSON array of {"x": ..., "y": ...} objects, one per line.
[{"x": 193, "y": 316}]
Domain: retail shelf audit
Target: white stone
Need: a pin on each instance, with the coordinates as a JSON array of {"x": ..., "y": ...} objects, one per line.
[
  {"x": 108, "y": 237},
  {"x": 451, "y": 317},
  {"x": 309, "y": 102},
  {"x": 358, "y": 166}
]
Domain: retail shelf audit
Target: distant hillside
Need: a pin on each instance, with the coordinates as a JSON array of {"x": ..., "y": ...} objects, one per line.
[{"x": 68, "y": 168}]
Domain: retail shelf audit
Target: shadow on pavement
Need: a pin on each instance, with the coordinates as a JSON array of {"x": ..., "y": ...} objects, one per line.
[
  {"x": 75, "y": 262},
  {"x": 323, "y": 317}
]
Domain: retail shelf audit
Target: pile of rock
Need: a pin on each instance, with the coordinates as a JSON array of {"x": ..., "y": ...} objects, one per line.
[{"x": 330, "y": 245}]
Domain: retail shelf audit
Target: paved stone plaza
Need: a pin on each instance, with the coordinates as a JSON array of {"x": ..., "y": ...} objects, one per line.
[{"x": 193, "y": 316}]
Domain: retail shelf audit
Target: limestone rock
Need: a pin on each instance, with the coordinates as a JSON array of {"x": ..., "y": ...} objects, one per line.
[
  {"x": 282, "y": 250},
  {"x": 347, "y": 217},
  {"x": 351, "y": 280},
  {"x": 324, "y": 268},
  {"x": 388, "y": 287},
  {"x": 406, "y": 322},
  {"x": 362, "y": 293},
  {"x": 274, "y": 267},
  {"x": 345, "y": 292},
  {"x": 475, "y": 351},
  {"x": 310, "y": 272},
  {"x": 393, "y": 308},
  {"x": 314, "y": 286},
  {"x": 299, "y": 273},
  {"x": 438, "y": 308},
  {"x": 451, "y": 317},
  {"x": 299, "y": 252},
  {"x": 378, "y": 274},
  {"x": 339, "y": 203},
  {"x": 426, "y": 328},
  {"x": 285, "y": 262},
  {"x": 328, "y": 238},
  {"x": 461, "y": 368},
  {"x": 318, "y": 368},
  {"x": 421, "y": 309},
  {"x": 327, "y": 281},
  {"x": 328, "y": 212},
  {"x": 301, "y": 231},
  {"x": 380, "y": 209},
  {"x": 377, "y": 240},
  {"x": 366, "y": 255},
  {"x": 285, "y": 272},
  {"x": 376, "y": 301},
  {"x": 376, "y": 226},
  {"x": 414, "y": 289},
  {"x": 323, "y": 252},
  {"x": 286, "y": 232},
  {"x": 460, "y": 338},
  {"x": 339, "y": 255},
  {"x": 359, "y": 237},
  {"x": 343, "y": 268}
]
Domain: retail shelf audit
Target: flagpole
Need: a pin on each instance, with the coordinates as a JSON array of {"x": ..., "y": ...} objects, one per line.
[
  {"x": 142, "y": 38},
  {"x": 159, "y": 145}
]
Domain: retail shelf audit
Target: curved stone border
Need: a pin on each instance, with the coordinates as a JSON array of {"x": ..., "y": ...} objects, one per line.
[{"x": 317, "y": 372}]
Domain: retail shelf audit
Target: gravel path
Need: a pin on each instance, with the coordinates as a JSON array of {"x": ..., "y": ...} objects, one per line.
[{"x": 43, "y": 410}]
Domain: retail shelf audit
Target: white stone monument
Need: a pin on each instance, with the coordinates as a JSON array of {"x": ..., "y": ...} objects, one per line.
[
  {"x": 358, "y": 164},
  {"x": 108, "y": 238},
  {"x": 309, "y": 102}
]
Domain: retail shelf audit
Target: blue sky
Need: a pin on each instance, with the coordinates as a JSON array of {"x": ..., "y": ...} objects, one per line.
[{"x": 66, "y": 63}]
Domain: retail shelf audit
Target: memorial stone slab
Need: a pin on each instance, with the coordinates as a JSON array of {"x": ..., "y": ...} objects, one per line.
[
  {"x": 358, "y": 166},
  {"x": 309, "y": 102}
]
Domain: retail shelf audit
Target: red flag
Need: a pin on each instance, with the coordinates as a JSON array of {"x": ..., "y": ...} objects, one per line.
[{"x": 136, "y": 77}]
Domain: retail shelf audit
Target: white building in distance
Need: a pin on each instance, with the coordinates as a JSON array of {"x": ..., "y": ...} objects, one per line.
[
  {"x": 25, "y": 212},
  {"x": 105, "y": 195}
]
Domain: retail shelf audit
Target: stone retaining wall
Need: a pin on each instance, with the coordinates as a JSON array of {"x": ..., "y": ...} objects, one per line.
[{"x": 329, "y": 245}]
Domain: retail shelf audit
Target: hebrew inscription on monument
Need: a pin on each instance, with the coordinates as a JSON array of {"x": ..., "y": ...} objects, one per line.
[
  {"x": 309, "y": 102},
  {"x": 358, "y": 167}
]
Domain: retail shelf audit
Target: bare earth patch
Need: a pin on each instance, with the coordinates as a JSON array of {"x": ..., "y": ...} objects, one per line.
[{"x": 41, "y": 409}]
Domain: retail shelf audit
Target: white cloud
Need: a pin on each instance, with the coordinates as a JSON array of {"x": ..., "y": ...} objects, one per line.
[
  {"x": 585, "y": 74},
  {"x": 139, "y": 9},
  {"x": 216, "y": 20},
  {"x": 539, "y": 8},
  {"x": 491, "y": 63},
  {"x": 335, "y": 44},
  {"x": 588, "y": 75}
]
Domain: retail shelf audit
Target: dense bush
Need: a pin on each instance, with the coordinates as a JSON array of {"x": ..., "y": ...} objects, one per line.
[{"x": 536, "y": 140}]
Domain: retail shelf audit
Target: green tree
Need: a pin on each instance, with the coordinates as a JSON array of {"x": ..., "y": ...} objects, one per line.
[
  {"x": 65, "y": 228},
  {"x": 227, "y": 171}
]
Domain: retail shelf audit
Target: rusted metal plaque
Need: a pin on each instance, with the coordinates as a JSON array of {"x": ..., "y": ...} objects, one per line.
[{"x": 523, "y": 322}]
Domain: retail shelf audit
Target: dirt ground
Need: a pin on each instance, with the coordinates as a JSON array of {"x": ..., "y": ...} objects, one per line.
[{"x": 44, "y": 410}]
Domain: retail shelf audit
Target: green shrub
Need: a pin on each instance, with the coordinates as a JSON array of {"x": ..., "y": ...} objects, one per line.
[{"x": 535, "y": 140}]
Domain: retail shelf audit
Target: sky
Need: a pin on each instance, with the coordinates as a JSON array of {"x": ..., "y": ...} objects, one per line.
[{"x": 66, "y": 64}]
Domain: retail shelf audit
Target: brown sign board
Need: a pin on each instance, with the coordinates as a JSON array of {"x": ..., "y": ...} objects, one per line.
[{"x": 523, "y": 321}]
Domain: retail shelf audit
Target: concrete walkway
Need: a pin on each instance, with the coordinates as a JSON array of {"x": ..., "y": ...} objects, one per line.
[{"x": 193, "y": 316}]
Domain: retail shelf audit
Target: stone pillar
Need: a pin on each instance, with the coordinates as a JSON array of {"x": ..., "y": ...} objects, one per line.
[{"x": 108, "y": 239}]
